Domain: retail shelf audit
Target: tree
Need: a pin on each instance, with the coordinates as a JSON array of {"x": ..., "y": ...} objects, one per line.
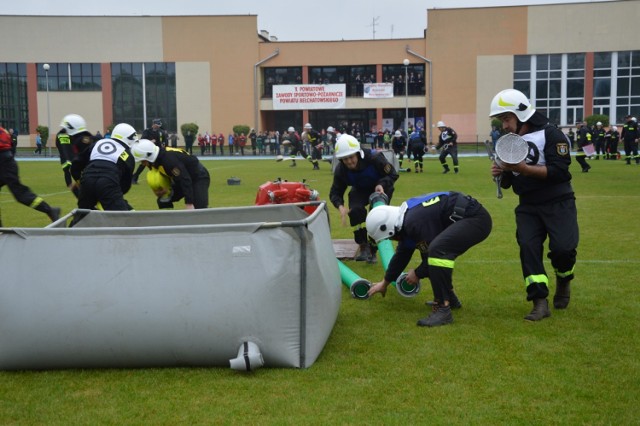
[
  {"x": 44, "y": 134},
  {"x": 189, "y": 127},
  {"x": 238, "y": 129},
  {"x": 593, "y": 119}
]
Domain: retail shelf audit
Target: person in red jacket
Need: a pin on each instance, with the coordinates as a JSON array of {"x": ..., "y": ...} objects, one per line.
[{"x": 221, "y": 144}]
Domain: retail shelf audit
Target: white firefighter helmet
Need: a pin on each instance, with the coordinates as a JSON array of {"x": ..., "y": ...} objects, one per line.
[
  {"x": 124, "y": 133},
  {"x": 513, "y": 101},
  {"x": 599, "y": 123},
  {"x": 73, "y": 124},
  {"x": 144, "y": 149},
  {"x": 397, "y": 134},
  {"x": 291, "y": 129},
  {"x": 346, "y": 146},
  {"x": 308, "y": 126},
  {"x": 441, "y": 124},
  {"x": 381, "y": 222},
  {"x": 330, "y": 129}
]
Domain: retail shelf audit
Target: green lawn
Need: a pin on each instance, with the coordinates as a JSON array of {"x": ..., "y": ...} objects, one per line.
[{"x": 490, "y": 367}]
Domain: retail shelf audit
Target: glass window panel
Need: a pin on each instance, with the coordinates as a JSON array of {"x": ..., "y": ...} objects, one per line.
[
  {"x": 542, "y": 75},
  {"x": 635, "y": 86},
  {"x": 602, "y": 73},
  {"x": 542, "y": 89},
  {"x": 575, "y": 61},
  {"x": 635, "y": 58},
  {"x": 523, "y": 86},
  {"x": 522, "y": 63},
  {"x": 555, "y": 74},
  {"x": 575, "y": 74},
  {"x": 602, "y": 60},
  {"x": 555, "y": 89},
  {"x": 542, "y": 62},
  {"x": 575, "y": 88},
  {"x": 623, "y": 87},
  {"x": 601, "y": 87},
  {"x": 624, "y": 59},
  {"x": 555, "y": 62},
  {"x": 554, "y": 115}
]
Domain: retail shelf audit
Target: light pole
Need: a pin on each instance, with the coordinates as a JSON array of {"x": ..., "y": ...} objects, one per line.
[
  {"x": 406, "y": 97},
  {"x": 46, "y": 67}
]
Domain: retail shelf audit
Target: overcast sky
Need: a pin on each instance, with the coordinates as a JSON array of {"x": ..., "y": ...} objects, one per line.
[{"x": 288, "y": 20}]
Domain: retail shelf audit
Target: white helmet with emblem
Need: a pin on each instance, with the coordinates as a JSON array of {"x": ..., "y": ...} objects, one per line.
[
  {"x": 346, "y": 146},
  {"x": 144, "y": 149},
  {"x": 73, "y": 124},
  {"x": 382, "y": 221},
  {"x": 124, "y": 133},
  {"x": 513, "y": 101}
]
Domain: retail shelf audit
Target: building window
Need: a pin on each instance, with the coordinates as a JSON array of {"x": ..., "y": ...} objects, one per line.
[
  {"x": 628, "y": 85},
  {"x": 271, "y": 76},
  {"x": 159, "y": 81},
  {"x": 14, "y": 107},
  {"x": 395, "y": 74},
  {"x": 71, "y": 77},
  {"x": 554, "y": 83}
]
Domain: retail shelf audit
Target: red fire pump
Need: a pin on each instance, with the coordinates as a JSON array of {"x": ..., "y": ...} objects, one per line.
[{"x": 283, "y": 192}]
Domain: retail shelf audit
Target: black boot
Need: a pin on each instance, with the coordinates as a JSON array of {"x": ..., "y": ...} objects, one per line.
[
  {"x": 364, "y": 253},
  {"x": 540, "y": 310},
  {"x": 563, "y": 295},
  {"x": 441, "y": 315},
  {"x": 446, "y": 169}
]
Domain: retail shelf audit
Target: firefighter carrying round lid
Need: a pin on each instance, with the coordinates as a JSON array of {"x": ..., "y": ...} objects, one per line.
[
  {"x": 547, "y": 206},
  {"x": 189, "y": 178},
  {"x": 441, "y": 226}
]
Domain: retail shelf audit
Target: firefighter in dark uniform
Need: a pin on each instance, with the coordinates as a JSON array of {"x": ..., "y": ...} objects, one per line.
[
  {"x": 547, "y": 205},
  {"x": 72, "y": 140},
  {"x": 365, "y": 173},
  {"x": 583, "y": 138},
  {"x": 63, "y": 144},
  {"x": 416, "y": 146},
  {"x": 105, "y": 171},
  {"x": 399, "y": 146},
  {"x": 156, "y": 135},
  {"x": 441, "y": 226},
  {"x": 9, "y": 176},
  {"x": 613, "y": 138},
  {"x": 599, "y": 140},
  {"x": 448, "y": 143},
  {"x": 295, "y": 146},
  {"x": 315, "y": 141},
  {"x": 629, "y": 136},
  {"x": 189, "y": 178}
]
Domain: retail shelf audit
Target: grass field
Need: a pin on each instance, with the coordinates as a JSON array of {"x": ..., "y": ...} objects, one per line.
[{"x": 580, "y": 366}]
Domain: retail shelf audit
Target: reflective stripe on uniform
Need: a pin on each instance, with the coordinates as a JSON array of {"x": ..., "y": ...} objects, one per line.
[
  {"x": 441, "y": 263},
  {"x": 541, "y": 278}
]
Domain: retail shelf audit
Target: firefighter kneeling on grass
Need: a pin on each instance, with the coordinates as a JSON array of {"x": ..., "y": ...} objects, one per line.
[
  {"x": 365, "y": 173},
  {"x": 174, "y": 175}
]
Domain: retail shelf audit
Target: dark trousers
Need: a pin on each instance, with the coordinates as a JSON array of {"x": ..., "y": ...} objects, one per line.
[
  {"x": 97, "y": 188},
  {"x": 534, "y": 223},
  {"x": 451, "y": 243}
]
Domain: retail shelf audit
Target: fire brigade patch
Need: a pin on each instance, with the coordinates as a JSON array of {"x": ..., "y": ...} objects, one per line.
[
  {"x": 86, "y": 140},
  {"x": 175, "y": 171},
  {"x": 562, "y": 148},
  {"x": 387, "y": 168}
]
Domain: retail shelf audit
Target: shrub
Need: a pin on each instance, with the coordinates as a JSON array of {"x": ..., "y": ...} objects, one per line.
[
  {"x": 189, "y": 127},
  {"x": 593, "y": 119},
  {"x": 241, "y": 128},
  {"x": 44, "y": 134}
]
